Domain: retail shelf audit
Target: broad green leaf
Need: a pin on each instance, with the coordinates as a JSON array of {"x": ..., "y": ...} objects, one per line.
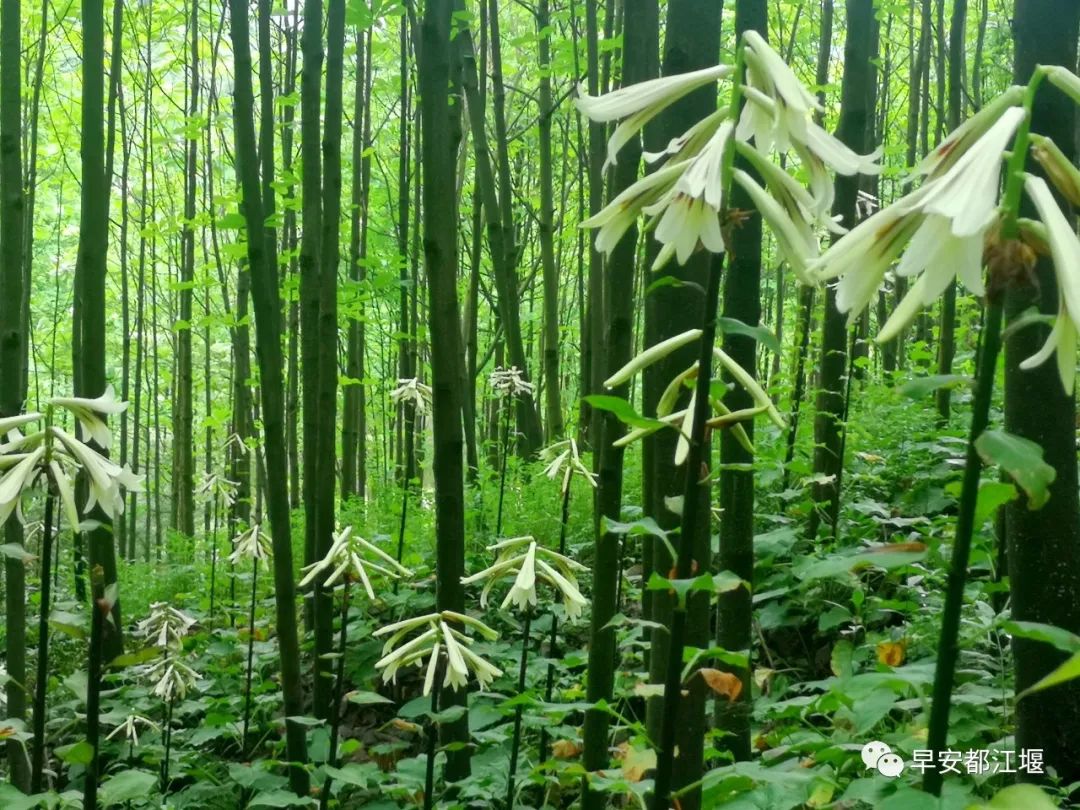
[
  {"x": 920, "y": 387},
  {"x": 354, "y": 773},
  {"x": 69, "y": 623},
  {"x": 1018, "y": 797},
  {"x": 1068, "y": 671},
  {"x": 993, "y": 494},
  {"x": 362, "y": 698},
  {"x": 1022, "y": 459},
  {"x": 623, "y": 411},
  {"x": 79, "y": 753},
  {"x": 1036, "y": 631},
  {"x": 733, "y": 326},
  {"x": 281, "y": 798},
  {"x": 127, "y": 786}
]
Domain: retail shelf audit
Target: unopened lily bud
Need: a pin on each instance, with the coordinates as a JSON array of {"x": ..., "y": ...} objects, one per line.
[
  {"x": 1062, "y": 173},
  {"x": 1065, "y": 80}
]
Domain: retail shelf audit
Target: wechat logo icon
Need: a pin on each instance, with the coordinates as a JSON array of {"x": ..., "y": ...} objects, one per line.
[{"x": 877, "y": 756}]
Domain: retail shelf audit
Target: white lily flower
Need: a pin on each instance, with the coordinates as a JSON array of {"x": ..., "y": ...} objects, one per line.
[
  {"x": 614, "y": 219},
  {"x": 967, "y": 192},
  {"x": 129, "y": 729},
  {"x": 530, "y": 563},
  {"x": 685, "y": 146},
  {"x": 414, "y": 391},
  {"x": 106, "y": 478},
  {"x": 1065, "y": 250},
  {"x": 65, "y": 488},
  {"x": 346, "y": 556},
  {"x": 172, "y": 678},
  {"x": 565, "y": 458},
  {"x": 89, "y": 411},
  {"x": 940, "y": 256},
  {"x": 640, "y": 103},
  {"x": 794, "y": 237},
  {"x": 437, "y": 637},
  {"x": 165, "y": 626},
  {"x": 251, "y": 544},
  {"x": 10, "y": 423},
  {"x": 960, "y": 140},
  {"x": 689, "y": 213},
  {"x": 509, "y": 382},
  {"x": 16, "y": 481},
  {"x": 793, "y": 104}
]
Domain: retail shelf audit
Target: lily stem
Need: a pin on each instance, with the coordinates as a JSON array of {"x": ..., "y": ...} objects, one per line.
[
  {"x": 339, "y": 688},
  {"x": 507, "y": 407},
  {"x": 37, "y": 766},
  {"x": 948, "y": 648},
  {"x": 250, "y": 655},
  {"x": 553, "y": 646},
  {"x": 515, "y": 744}
]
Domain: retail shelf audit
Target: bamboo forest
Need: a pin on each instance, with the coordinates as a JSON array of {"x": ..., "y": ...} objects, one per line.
[{"x": 539, "y": 404}]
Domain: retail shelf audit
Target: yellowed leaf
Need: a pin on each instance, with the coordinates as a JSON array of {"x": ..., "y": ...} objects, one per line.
[
  {"x": 635, "y": 762},
  {"x": 565, "y": 749},
  {"x": 891, "y": 653},
  {"x": 723, "y": 683}
]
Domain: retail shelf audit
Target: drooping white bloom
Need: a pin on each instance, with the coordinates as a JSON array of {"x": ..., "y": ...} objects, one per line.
[
  {"x": 640, "y": 103},
  {"x": 943, "y": 225},
  {"x": 794, "y": 236},
  {"x": 129, "y": 729},
  {"x": 414, "y": 391},
  {"x": 1065, "y": 250},
  {"x": 563, "y": 456},
  {"x": 165, "y": 627},
  {"x": 509, "y": 382},
  {"x": 793, "y": 104},
  {"x": 955, "y": 146},
  {"x": 217, "y": 486},
  {"x": 437, "y": 638},
  {"x": 614, "y": 219},
  {"x": 172, "y": 678},
  {"x": 529, "y": 564},
  {"x": 88, "y": 412},
  {"x": 351, "y": 555},
  {"x": 689, "y": 213},
  {"x": 251, "y": 544}
]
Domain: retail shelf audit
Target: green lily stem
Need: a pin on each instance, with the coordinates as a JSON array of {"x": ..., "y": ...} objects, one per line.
[
  {"x": 100, "y": 609},
  {"x": 507, "y": 407},
  {"x": 167, "y": 731},
  {"x": 691, "y": 519},
  {"x": 433, "y": 736},
  {"x": 401, "y": 526},
  {"x": 515, "y": 745},
  {"x": 339, "y": 688},
  {"x": 250, "y": 655},
  {"x": 553, "y": 649},
  {"x": 37, "y": 765},
  {"x": 948, "y": 647}
]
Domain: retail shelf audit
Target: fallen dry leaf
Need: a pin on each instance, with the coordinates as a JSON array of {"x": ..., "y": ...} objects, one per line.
[{"x": 723, "y": 683}]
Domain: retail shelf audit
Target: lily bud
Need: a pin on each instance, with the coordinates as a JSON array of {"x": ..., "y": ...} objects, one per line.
[{"x": 1060, "y": 170}]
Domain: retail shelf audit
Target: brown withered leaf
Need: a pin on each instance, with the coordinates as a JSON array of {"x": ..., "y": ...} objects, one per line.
[{"x": 723, "y": 683}]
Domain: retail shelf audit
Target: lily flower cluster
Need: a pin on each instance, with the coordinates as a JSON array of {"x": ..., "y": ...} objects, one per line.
[
  {"x": 509, "y": 382},
  {"x": 683, "y": 418},
  {"x": 214, "y": 486},
  {"x": 437, "y": 637},
  {"x": 685, "y": 198},
  {"x": 165, "y": 628},
  {"x": 564, "y": 457},
  {"x": 251, "y": 544},
  {"x": 346, "y": 558},
  {"x": 529, "y": 564},
  {"x": 414, "y": 391},
  {"x": 52, "y": 453}
]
